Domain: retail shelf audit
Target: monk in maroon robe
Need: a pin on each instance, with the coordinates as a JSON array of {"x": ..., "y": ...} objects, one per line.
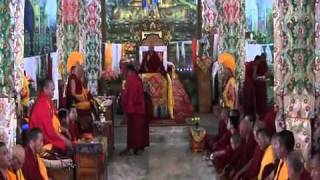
[
  {"x": 269, "y": 120},
  {"x": 134, "y": 108},
  {"x": 223, "y": 157},
  {"x": 260, "y": 85},
  {"x": 248, "y": 88},
  {"x": 248, "y": 148},
  {"x": 33, "y": 169},
  {"x": 222, "y": 129},
  {"x": 44, "y": 116},
  {"x": 151, "y": 62},
  {"x": 76, "y": 92}
]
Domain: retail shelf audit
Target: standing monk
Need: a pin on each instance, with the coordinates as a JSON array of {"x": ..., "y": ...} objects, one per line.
[
  {"x": 44, "y": 116},
  {"x": 260, "y": 84},
  {"x": 248, "y": 87},
  {"x": 134, "y": 108},
  {"x": 76, "y": 92}
]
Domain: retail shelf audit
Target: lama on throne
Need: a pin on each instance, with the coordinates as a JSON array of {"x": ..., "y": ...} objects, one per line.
[{"x": 157, "y": 83}]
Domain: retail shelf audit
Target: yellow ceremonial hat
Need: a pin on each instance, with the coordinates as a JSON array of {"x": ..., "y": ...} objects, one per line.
[
  {"x": 228, "y": 61},
  {"x": 74, "y": 59}
]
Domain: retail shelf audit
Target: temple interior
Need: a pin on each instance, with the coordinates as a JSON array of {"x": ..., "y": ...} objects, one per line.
[{"x": 159, "y": 89}]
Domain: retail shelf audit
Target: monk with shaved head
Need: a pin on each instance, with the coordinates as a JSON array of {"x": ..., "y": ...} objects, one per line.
[{"x": 18, "y": 157}]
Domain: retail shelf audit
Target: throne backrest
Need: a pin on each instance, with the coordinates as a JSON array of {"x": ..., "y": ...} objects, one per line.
[{"x": 152, "y": 39}]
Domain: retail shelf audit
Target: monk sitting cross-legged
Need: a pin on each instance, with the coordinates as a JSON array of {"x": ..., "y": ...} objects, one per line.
[
  {"x": 17, "y": 160},
  {"x": 222, "y": 129},
  {"x": 44, "y": 117},
  {"x": 248, "y": 146},
  {"x": 223, "y": 157},
  {"x": 33, "y": 167},
  {"x": 232, "y": 126},
  {"x": 251, "y": 169}
]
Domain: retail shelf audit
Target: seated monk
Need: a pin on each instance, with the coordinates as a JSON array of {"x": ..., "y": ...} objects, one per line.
[
  {"x": 296, "y": 170},
  {"x": 224, "y": 157},
  {"x": 17, "y": 161},
  {"x": 5, "y": 174},
  {"x": 222, "y": 129},
  {"x": 283, "y": 147},
  {"x": 69, "y": 122},
  {"x": 33, "y": 166},
  {"x": 224, "y": 141},
  {"x": 251, "y": 169},
  {"x": 268, "y": 161},
  {"x": 151, "y": 63},
  {"x": 44, "y": 117},
  {"x": 249, "y": 144}
]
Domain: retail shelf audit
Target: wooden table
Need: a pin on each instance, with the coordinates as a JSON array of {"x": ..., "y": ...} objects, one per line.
[{"x": 89, "y": 161}]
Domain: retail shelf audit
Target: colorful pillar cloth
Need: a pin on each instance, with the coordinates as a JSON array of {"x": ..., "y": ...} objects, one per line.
[
  {"x": 294, "y": 68},
  {"x": 93, "y": 43}
]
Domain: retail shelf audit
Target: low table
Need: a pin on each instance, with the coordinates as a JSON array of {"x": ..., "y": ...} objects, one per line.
[
  {"x": 198, "y": 136},
  {"x": 90, "y": 159}
]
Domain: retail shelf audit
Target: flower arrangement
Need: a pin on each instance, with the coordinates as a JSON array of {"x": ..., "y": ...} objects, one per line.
[{"x": 196, "y": 120}]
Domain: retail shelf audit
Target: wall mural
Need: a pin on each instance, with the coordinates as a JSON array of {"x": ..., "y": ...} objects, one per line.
[{"x": 294, "y": 70}]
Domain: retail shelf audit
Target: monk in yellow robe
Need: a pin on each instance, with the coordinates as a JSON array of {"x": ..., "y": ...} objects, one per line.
[
  {"x": 77, "y": 92},
  {"x": 268, "y": 160},
  {"x": 284, "y": 146},
  {"x": 18, "y": 157},
  {"x": 230, "y": 90},
  {"x": 5, "y": 174},
  {"x": 33, "y": 166}
]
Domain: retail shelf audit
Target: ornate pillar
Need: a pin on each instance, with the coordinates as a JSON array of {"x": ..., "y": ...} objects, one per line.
[
  {"x": 317, "y": 57},
  {"x": 92, "y": 29},
  {"x": 294, "y": 68},
  {"x": 11, "y": 66}
]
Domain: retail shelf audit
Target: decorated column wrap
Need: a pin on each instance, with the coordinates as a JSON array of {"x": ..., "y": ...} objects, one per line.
[
  {"x": 5, "y": 47},
  {"x": 92, "y": 46},
  {"x": 294, "y": 68},
  {"x": 11, "y": 66},
  {"x": 317, "y": 57},
  {"x": 17, "y": 40}
]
